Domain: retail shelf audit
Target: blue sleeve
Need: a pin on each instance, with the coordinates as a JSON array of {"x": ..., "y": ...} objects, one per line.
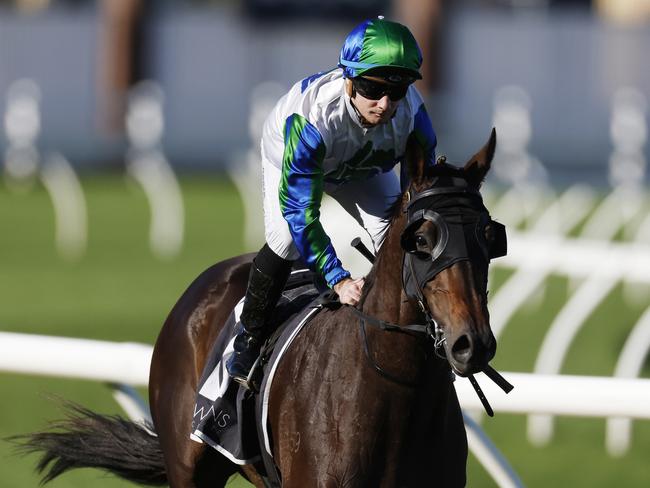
[{"x": 301, "y": 191}]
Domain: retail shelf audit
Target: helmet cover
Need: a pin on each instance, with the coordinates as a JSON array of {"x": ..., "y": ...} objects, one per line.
[{"x": 379, "y": 43}]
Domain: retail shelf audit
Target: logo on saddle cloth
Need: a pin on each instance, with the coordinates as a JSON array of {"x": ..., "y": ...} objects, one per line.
[{"x": 221, "y": 417}]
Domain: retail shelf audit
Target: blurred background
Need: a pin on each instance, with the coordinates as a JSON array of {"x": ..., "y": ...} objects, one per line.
[{"x": 129, "y": 154}]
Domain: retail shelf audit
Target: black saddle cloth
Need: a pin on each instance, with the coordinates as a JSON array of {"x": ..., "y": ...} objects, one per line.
[{"x": 224, "y": 413}]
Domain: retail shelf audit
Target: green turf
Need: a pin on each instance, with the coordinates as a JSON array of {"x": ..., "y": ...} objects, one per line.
[{"x": 119, "y": 291}]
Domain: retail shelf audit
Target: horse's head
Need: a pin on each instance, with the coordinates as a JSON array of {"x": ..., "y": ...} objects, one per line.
[{"x": 449, "y": 239}]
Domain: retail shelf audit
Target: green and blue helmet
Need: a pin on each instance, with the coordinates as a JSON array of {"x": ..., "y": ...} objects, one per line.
[{"x": 379, "y": 43}]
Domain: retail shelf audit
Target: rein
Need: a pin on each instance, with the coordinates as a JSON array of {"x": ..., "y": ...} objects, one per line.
[
  {"x": 413, "y": 330},
  {"x": 417, "y": 330},
  {"x": 435, "y": 333}
]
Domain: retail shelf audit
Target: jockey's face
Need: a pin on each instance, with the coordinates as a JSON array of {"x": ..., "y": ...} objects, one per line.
[{"x": 380, "y": 102}]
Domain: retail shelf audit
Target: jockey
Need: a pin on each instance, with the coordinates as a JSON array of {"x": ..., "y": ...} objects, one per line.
[{"x": 340, "y": 132}]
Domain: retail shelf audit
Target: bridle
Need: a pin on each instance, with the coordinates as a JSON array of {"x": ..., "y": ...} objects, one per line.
[{"x": 456, "y": 210}]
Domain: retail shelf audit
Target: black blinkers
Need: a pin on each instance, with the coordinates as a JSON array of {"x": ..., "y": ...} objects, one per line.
[{"x": 464, "y": 232}]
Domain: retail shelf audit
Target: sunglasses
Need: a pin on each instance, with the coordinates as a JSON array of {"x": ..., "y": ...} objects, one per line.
[{"x": 373, "y": 90}]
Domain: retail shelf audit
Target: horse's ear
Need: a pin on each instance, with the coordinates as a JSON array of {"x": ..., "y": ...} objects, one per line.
[
  {"x": 479, "y": 164},
  {"x": 414, "y": 160}
]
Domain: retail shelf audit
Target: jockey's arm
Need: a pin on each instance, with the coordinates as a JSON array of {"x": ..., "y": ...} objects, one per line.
[{"x": 301, "y": 191}]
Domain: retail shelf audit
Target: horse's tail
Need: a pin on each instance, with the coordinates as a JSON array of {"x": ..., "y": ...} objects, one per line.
[{"x": 86, "y": 439}]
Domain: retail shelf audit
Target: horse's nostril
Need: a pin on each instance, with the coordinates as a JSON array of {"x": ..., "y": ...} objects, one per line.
[{"x": 462, "y": 349}]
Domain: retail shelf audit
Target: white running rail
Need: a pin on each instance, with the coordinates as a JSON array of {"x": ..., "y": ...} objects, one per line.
[
  {"x": 128, "y": 363},
  {"x": 114, "y": 362},
  {"x": 489, "y": 455}
]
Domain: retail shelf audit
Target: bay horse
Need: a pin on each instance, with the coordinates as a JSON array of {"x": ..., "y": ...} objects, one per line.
[{"x": 352, "y": 404}]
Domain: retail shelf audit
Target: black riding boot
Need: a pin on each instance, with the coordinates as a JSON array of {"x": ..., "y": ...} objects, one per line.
[{"x": 268, "y": 275}]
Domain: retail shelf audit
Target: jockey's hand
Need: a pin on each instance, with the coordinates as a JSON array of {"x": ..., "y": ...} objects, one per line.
[{"x": 349, "y": 290}]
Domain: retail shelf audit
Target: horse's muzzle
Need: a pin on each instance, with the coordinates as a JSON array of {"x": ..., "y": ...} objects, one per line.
[{"x": 469, "y": 353}]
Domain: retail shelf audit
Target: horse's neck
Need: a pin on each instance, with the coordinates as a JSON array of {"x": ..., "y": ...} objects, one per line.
[{"x": 386, "y": 299}]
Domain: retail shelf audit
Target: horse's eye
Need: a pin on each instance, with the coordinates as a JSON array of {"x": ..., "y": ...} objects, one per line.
[{"x": 421, "y": 243}]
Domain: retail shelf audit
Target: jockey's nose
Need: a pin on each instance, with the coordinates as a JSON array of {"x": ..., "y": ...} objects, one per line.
[{"x": 384, "y": 102}]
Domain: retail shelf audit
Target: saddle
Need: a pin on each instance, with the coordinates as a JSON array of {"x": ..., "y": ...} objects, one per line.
[
  {"x": 232, "y": 419},
  {"x": 303, "y": 287}
]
